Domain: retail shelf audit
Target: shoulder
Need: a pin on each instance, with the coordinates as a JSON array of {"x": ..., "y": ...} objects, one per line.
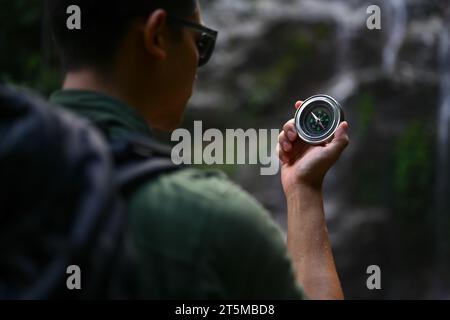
[
  {"x": 210, "y": 191},
  {"x": 187, "y": 206},
  {"x": 201, "y": 218}
]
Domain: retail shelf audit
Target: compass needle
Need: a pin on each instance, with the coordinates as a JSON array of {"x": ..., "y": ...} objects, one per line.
[
  {"x": 315, "y": 117},
  {"x": 320, "y": 123}
]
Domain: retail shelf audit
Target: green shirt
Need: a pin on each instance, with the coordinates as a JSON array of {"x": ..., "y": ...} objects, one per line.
[{"x": 198, "y": 235}]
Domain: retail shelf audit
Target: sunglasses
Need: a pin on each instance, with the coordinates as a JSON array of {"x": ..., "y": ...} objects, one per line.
[{"x": 207, "y": 41}]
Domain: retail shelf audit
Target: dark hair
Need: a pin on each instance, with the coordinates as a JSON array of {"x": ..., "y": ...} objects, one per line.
[{"x": 103, "y": 26}]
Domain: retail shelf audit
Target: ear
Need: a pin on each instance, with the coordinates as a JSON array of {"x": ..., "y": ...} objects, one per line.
[{"x": 155, "y": 34}]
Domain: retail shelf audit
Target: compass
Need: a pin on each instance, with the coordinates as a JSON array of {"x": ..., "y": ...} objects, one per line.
[{"x": 318, "y": 118}]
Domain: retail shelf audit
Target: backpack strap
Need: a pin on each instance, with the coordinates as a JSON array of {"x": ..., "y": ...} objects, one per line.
[
  {"x": 139, "y": 159},
  {"x": 131, "y": 176}
]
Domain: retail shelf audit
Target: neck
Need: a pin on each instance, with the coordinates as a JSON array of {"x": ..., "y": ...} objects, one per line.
[{"x": 93, "y": 81}]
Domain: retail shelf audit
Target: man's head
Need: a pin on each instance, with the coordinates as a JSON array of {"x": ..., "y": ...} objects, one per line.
[{"x": 136, "y": 49}]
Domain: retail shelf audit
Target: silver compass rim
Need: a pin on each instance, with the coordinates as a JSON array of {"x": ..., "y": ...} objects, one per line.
[{"x": 338, "y": 117}]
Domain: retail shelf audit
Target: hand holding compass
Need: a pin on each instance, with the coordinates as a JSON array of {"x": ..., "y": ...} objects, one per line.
[{"x": 311, "y": 142}]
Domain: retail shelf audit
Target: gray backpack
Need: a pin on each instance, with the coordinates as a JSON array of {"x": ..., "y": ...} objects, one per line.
[{"x": 63, "y": 191}]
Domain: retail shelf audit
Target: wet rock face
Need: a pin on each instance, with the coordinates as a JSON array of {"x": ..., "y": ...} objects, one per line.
[{"x": 386, "y": 198}]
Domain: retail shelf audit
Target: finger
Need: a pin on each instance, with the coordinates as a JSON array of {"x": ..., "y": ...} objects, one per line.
[
  {"x": 282, "y": 155},
  {"x": 289, "y": 129},
  {"x": 284, "y": 142},
  {"x": 342, "y": 130},
  {"x": 298, "y": 104},
  {"x": 340, "y": 141}
]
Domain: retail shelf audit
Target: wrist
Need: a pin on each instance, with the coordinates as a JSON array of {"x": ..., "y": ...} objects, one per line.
[
  {"x": 303, "y": 198},
  {"x": 302, "y": 188}
]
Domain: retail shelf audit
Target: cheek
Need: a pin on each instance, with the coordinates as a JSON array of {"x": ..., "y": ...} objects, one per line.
[
  {"x": 192, "y": 54},
  {"x": 185, "y": 63},
  {"x": 191, "y": 65},
  {"x": 194, "y": 60}
]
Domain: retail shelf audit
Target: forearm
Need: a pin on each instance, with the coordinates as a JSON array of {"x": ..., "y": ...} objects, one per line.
[{"x": 309, "y": 245}]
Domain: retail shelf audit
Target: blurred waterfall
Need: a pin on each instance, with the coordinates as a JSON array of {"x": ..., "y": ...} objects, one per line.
[
  {"x": 388, "y": 80},
  {"x": 396, "y": 15}
]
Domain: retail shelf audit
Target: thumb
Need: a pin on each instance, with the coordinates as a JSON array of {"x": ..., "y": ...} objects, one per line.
[{"x": 340, "y": 141}]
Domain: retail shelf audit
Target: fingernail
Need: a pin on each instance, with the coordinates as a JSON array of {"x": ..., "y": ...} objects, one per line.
[{"x": 346, "y": 128}]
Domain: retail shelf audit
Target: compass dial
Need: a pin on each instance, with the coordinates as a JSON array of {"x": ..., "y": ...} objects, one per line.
[
  {"x": 317, "y": 121},
  {"x": 318, "y": 118}
]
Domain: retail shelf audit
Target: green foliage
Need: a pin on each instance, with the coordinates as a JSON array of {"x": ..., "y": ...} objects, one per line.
[
  {"x": 369, "y": 187},
  {"x": 365, "y": 112},
  {"x": 322, "y": 32},
  {"x": 412, "y": 202},
  {"x": 24, "y": 49},
  {"x": 270, "y": 81},
  {"x": 413, "y": 173}
]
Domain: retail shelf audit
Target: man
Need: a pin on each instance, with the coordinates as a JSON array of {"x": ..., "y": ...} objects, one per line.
[{"x": 132, "y": 66}]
